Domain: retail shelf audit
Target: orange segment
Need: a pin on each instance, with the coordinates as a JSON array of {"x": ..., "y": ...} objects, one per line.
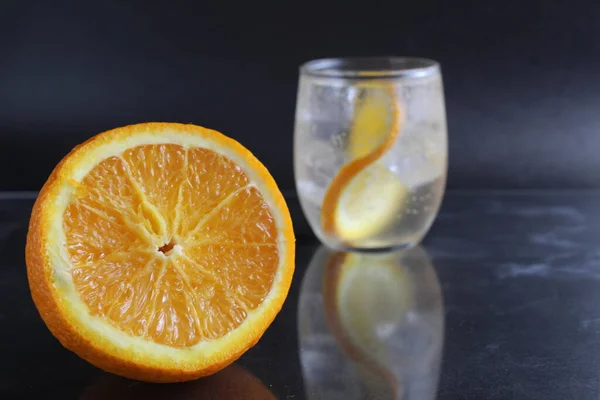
[
  {"x": 215, "y": 177},
  {"x": 107, "y": 202},
  {"x": 247, "y": 270},
  {"x": 218, "y": 312},
  {"x": 100, "y": 232},
  {"x": 243, "y": 217},
  {"x": 158, "y": 171},
  {"x": 179, "y": 251}
]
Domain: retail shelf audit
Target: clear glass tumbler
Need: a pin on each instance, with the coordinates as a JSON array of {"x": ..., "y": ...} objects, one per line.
[{"x": 370, "y": 150}]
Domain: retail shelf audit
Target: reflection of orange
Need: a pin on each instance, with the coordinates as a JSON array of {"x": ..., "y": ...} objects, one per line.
[
  {"x": 369, "y": 139},
  {"x": 332, "y": 281},
  {"x": 160, "y": 251},
  {"x": 232, "y": 383}
]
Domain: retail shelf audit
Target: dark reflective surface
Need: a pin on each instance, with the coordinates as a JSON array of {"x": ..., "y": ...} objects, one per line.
[
  {"x": 520, "y": 276},
  {"x": 370, "y": 326}
]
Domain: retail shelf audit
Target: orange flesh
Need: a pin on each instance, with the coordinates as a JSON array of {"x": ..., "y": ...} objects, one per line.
[{"x": 171, "y": 244}]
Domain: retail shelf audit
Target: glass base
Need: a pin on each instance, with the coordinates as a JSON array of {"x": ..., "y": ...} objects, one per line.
[{"x": 371, "y": 250}]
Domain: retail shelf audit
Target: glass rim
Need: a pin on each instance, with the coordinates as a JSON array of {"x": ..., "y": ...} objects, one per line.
[{"x": 370, "y": 67}]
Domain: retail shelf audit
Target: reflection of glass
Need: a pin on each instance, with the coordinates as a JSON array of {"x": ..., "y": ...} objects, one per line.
[
  {"x": 370, "y": 150},
  {"x": 232, "y": 383},
  {"x": 370, "y": 326}
]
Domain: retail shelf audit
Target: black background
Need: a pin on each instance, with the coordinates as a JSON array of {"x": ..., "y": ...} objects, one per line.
[{"x": 522, "y": 78}]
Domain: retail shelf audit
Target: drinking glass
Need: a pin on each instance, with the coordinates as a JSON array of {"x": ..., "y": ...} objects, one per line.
[{"x": 370, "y": 150}]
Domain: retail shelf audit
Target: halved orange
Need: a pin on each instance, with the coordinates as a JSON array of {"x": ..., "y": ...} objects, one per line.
[
  {"x": 160, "y": 251},
  {"x": 365, "y": 196}
]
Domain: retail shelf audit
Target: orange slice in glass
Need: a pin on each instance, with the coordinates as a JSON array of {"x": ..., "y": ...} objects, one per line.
[{"x": 365, "y": 197}]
